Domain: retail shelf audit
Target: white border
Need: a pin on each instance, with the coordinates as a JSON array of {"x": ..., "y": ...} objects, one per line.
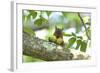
[{"x": 17, "y": 38}]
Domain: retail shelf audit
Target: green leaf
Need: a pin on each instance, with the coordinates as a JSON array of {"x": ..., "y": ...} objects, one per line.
[
  {"x": 71, "y": 42},
  {"x": 83, "y": 46},
  {"x": 48, "y": 13},
  {"x": 65, "y": 34},
  {"x": 80, "y": 37},
  {"x": 32, "y": 13},
  {"x": 28, "y": 30},
  {"x": 74, "y": 34},
  {"x": 38, "y": 22},
  {"x": 44, "y": 20},
  {"x": 78, "y": 44}
]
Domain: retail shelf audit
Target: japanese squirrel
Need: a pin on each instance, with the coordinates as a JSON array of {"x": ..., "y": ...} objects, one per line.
[{"x": 57, "y": 37}]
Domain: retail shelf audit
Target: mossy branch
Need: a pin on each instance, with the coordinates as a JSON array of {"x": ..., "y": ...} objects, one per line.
[{"x": 45, "y": 50}]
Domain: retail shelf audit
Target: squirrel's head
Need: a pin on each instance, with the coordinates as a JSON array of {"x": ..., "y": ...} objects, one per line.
[
  {"x": 58, "y": 32},
  {"x": 58, "y": 29}
]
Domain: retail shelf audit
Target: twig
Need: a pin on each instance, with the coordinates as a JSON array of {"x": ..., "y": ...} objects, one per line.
[{"x": 84, "y": 26}]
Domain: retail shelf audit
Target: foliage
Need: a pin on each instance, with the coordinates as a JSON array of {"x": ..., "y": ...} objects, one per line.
[
  {"x": 78, "y": 40},
  {"x": 30, "y": 59},
  {"x": 28, "y": 30},
  {"x": 71, "y": 42},
  {"x": 31, "y": 13},
  {"x": 40, "y": 21},
  {"x": 66, "y": 20}
]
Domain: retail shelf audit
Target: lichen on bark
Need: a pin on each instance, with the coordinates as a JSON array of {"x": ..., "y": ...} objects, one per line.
[{"x": 45, "y": 50}]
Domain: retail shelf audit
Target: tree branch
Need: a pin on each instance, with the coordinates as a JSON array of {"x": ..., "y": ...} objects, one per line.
[
  {"x": 84, "y": 26},
  {"x": 48, "y": 51}
]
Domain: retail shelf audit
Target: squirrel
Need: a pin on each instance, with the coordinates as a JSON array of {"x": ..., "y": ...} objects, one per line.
[{"x": 57, "y": 36}]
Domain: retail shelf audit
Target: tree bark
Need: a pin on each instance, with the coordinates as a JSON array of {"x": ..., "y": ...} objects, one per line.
[{"x": 45, "y": 50}]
